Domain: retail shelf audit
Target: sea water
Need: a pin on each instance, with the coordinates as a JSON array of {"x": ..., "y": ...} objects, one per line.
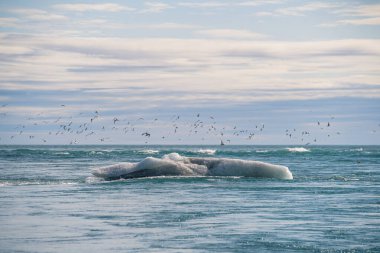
[{"x": 51, "y": 202}]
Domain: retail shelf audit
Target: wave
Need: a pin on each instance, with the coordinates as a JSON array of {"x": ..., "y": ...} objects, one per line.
[
  {"x": 61, "y": 153},
  {"x": 262, "y": 151},
  {"x": 148, "y": 151},
  {"x": 22, "y": 182},
  {"x": 174, "y": 164},
  {"x": 206, "y": 151},
  {"x": 95, "y": 153},
  {"x": 356, "y": 150},
  {"x": 298, "y": 149}
]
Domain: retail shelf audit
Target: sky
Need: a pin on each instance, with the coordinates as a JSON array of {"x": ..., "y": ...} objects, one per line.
[{"x": 190, "y": 72}]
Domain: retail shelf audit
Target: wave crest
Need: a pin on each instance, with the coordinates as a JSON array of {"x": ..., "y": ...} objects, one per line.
[
  {"x": 298, "y": 149},
  {"x": 148, "y": 151},
  {"x": 207, "y": 151}
]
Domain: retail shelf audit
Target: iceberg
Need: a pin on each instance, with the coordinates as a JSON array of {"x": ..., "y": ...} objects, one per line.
[{"x": 174, "y": 164}]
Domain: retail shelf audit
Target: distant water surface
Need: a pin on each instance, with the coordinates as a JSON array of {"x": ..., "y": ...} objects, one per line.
[{"x": 50, "y": 202}]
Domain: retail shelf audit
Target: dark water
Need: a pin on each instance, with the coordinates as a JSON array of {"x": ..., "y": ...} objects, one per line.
[{"x": 49, "y": 202}]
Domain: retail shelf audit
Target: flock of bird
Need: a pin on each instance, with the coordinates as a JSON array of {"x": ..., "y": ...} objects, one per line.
[{"x": 82, "y": 126}]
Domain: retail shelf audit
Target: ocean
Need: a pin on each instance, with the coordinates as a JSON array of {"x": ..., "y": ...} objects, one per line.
[{"x": 51, "y": 202}]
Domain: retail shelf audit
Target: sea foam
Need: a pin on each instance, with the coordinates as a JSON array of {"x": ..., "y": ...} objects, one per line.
[
  {"x": 207, "y": 151},
  {"x": 174, "y": 164},
  {"x": 148, "y": 151},
  {"x": 298, "y": 149}
]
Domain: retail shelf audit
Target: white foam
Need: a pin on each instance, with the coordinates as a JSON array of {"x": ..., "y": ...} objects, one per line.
[
  {"x": 300, "y": 149},
  {"x": 148, "y": 151},
  {"x": 262, "y": 151},
  {"x": 207, "y": 151},
  {"x": 96, "y": 153},
  {"x": 174, "y": 157},
  {"x": 37, "y": 182},
  {"x": 357, "y": 149},
  {"x": 61, "y": 153},
  {"x": 176, "y": 165}
]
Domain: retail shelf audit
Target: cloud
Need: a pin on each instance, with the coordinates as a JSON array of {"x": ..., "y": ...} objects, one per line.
[
  {"x": 9, "y": 22},
  {"x": 37, "y": 14},
  {"x": 300, "y": 10},
  {"x": 362, "y": 21},
  {"x": 81, "y": 7},
  {"x": 203, "y": 4},
  {"x": 13, "y": 50},
  {"x": 213, "y": 67},
  {"x": 231, "y": 34},
  {"x": 369, "y": 10},
  {"x": 219, "y": 4},
  {"x": 362, "y": 15},
  {"x": 264, "y": 14},
  {"x": 169, "y": 25},
  {"x": 259, "y": 2},
  {"x": 156, "y": 7},
  {"x": 353, "y": 14}
]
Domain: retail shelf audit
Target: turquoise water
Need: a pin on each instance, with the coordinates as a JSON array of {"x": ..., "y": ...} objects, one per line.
[{"x": 50, "y": 202}]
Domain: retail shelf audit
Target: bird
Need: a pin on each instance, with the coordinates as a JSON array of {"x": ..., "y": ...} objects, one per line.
[{"x": 146, "y": 134}]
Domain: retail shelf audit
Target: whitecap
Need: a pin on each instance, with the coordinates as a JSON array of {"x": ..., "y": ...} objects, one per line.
[
  {"x": 174, "y": 157},
  {"x": 206, "y": 151},
  {"x": 62, "y": 153},
  {"x": 36, "y": 182},
  {"x": 298, "y": 149},
  {"x": 148, "y": 151},
  {"x": 96, "y": 153},
  {"x": 262, "y": 151},
  {"x": 356, "y": 149},
  {"x": 174, "y": 164}
]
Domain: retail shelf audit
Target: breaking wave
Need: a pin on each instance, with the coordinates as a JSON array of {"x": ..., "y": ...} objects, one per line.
[
  {"x": 207, "y": 151},
  {"x": 174, "y": 164},
  {"x": 148, "y": 151},
  {"x": 356, "y": 149},
  {"x": 262, "y": 151},
  {"x": 298, "y": 149},
  {"x": 20, "y": 182}
]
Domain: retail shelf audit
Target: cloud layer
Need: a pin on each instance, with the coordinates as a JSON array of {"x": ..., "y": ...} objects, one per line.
[{"x": 187, "y": 64}]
